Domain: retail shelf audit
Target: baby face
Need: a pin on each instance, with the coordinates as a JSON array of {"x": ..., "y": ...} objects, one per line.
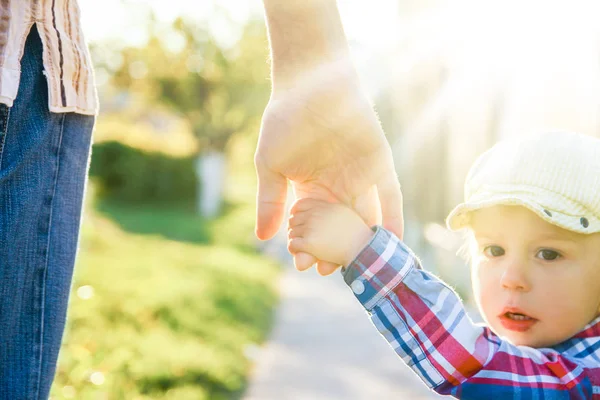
[{"x": 524, "y": 265}]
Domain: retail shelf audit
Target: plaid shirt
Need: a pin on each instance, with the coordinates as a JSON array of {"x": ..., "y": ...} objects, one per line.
[{"x": 425, "y": 322}]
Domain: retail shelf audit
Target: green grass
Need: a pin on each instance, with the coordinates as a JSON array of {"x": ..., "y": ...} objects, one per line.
[{"x": 176, "y": 301}]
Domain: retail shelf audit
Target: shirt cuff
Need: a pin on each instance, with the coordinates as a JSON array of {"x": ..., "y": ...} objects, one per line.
[
  {"x": 6, "y": 100},
  {"x": 378, "y": 268}
]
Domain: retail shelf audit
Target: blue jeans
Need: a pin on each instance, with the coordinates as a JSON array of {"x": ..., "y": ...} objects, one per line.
[{"x": 44, "y": 160}]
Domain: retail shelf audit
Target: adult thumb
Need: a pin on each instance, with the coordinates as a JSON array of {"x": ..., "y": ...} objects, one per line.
[
  {"x": 368, "y": 207},
  {"x": 270, "y": 202},
  {"x": 390, "y": 198}
]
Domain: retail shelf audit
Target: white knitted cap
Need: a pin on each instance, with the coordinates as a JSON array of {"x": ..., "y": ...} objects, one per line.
[{"x": 556, "y": 175}]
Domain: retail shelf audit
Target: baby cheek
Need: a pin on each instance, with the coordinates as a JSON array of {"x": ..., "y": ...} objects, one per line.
[
  {"x": 485, "y": 290},
  {"x": 570, "y": 304}
]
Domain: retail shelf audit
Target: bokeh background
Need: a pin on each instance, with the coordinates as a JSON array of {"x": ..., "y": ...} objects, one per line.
[{"x": 173, "y": 295}]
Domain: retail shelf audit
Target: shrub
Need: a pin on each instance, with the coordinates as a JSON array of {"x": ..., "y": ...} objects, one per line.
[{"x": 131, "y": 175}]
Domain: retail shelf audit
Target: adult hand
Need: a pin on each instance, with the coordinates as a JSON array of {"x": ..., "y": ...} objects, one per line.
[
  {"x": 323, "y": 135},
  {"x": 319, "y": 129}
]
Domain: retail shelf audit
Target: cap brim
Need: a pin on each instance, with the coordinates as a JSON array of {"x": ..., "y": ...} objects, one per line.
[{"x": 547, "y": 209}]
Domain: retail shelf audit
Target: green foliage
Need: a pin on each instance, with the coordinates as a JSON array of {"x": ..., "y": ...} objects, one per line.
[
  {"x": 132, "y": 175},
  {"x": 164, "y": 220},
  {"x": 219, "y": 91},
  {"x": 167, "y": 319},
  {"x": 165, "y": 304}
]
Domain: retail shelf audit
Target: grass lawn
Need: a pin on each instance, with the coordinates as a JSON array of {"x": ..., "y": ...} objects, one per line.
[{"x": 165, "y": 305}]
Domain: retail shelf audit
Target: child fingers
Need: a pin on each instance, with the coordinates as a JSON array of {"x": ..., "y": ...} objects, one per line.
[
  {"x": 296, "y": 245},
  {"x": 297, "y": 220},
  {"x": 325, "y": 268},
  {"x": 298, "y": 231},
  {"x": 305, "y": 205},
  {"x": 303, "y": 261}
]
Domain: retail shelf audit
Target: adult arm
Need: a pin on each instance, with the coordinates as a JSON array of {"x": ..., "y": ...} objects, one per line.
[{"x": 319, "y": 129}]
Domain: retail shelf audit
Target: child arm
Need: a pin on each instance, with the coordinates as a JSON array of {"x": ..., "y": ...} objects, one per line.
[{"x": 426, "y": 324}]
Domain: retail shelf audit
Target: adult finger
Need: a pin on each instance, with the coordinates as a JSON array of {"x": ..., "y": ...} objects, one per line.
[
  {"x": 368, "y": 207},
  {"x": 390, "y": 198},
  {"x": 270, "y": 202}
]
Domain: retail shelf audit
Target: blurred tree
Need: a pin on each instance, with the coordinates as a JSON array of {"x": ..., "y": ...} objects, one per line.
[{"x": 219, "y": 91}]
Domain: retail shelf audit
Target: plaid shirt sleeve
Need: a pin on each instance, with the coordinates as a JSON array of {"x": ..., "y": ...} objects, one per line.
[{"x": 426, "y": 324}]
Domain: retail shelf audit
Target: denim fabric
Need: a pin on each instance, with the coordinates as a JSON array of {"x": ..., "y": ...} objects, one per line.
[{"x": 43, "y": 170}]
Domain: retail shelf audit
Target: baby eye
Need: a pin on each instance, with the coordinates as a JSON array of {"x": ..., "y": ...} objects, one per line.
[
  {"x": 548, "y": 255},
  {"x": 493, "y": 251}
]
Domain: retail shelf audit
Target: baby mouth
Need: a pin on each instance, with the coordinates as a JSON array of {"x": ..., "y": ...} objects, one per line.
[
  {"x": 518, "y": 317},
  {"x": 517, "y": 322}
]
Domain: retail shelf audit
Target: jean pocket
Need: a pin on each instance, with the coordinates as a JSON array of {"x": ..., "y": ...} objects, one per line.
[{"x": 4, "y": 114}]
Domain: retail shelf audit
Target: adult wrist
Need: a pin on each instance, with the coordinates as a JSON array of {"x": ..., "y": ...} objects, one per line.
[{"x": 305, "y": 35}]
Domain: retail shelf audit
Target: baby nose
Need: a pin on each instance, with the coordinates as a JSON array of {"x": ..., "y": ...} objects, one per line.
[{"x": 515, "y": 277}]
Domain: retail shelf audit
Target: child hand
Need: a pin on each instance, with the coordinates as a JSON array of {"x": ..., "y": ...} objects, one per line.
[{"x": 329, "y": 231}]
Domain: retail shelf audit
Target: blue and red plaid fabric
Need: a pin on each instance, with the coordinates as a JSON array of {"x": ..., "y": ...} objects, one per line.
[{"x": 425, "y": 322}]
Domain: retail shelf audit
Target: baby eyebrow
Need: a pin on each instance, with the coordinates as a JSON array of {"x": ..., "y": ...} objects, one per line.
[
  {"x": 548, "y": 240},
  {"x": 560, "y": 244},
  {"x": 557, "y": 238},
  {"x": 487, "y": 238}
]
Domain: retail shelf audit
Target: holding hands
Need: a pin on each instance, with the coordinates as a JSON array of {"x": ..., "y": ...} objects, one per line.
[
  {"x": 319, "y": 131},
  {"x": 331, "y": 232}
]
